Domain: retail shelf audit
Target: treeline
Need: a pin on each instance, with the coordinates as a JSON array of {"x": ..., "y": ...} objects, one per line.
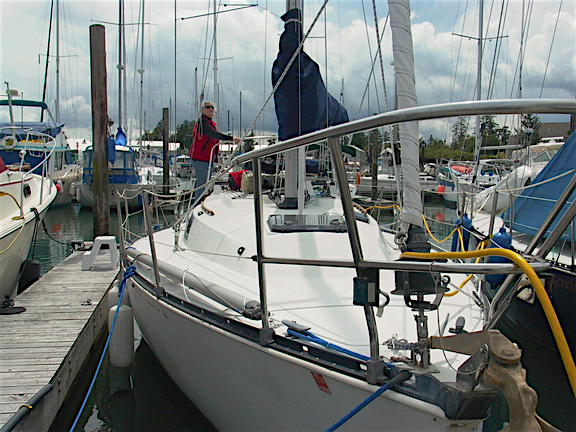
[
  {"x": 461, "y": 146},
  {"x": 462, "y": 142}
]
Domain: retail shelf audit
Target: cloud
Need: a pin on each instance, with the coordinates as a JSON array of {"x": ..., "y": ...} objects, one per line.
[{"x": 445, "y": 64}]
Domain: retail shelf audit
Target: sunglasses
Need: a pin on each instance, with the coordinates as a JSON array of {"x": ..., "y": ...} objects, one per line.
[{"x": 208, "y": 107}]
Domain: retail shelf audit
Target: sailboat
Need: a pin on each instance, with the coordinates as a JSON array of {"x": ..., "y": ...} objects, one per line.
[{"x": 295, "y": 311}]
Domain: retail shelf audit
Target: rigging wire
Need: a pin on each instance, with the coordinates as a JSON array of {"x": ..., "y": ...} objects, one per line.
[
  {"x": 551, "y": 44},
  {"x": 379, "y": 50}
]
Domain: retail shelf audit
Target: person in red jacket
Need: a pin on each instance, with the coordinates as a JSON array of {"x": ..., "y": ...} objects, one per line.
[{"x": 205, "y": 145}]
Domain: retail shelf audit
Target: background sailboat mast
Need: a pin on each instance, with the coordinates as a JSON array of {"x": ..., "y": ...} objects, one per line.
[
  {"x": 120, "y": 63},
  {"x": 47, "y": 60},
  {"x": 141, "y": 72},
  {"x": 216, "y": 99},
  {"x": 57, "y": 110},
  {"x": 478, "y": 136}
]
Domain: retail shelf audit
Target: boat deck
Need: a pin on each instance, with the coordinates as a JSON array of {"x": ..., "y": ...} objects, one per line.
[{"x": 66, "y": 311}]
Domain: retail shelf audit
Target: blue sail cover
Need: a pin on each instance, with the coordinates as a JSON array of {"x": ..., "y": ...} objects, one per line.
[
  {"x": 534, "y": 204},
  {"x": 302, "y": 102}
]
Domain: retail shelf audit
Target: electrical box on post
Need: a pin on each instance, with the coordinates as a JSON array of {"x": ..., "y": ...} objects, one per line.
[{"x": 366, "y": 289}]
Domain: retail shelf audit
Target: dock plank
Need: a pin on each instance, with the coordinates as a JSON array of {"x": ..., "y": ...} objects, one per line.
[{"x": 66, "y": 311}]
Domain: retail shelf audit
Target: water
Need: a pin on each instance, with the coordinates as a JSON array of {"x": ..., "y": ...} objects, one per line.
[
  {"x": 143, "y": 397},
  {"x": 140, "y": 398}
]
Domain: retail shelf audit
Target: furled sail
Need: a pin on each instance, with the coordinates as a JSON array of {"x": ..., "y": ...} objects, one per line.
[{"x": 302, "y": 102}]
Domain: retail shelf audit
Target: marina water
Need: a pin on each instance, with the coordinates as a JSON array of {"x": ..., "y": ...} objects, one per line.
[{"x": 140, "y": 398}]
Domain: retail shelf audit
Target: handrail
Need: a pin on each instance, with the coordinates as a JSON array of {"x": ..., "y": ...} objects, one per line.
[{"x": 428, "y": 112}]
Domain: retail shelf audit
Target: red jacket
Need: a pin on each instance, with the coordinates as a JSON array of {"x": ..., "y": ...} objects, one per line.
[{"x": 205, "y": 137}]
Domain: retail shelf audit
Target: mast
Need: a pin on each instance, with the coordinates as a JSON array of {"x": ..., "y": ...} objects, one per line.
[
  {"x": 57, "y": 61},
  {"x": 120, "y": 63},
  {"x": 47, "y": 60},
  {"x": 141, "y": 72},
  {"x": 216, "y": 101},
  {"x": 478, "y": 136}
]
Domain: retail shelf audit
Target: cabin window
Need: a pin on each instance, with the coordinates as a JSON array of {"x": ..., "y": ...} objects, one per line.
[{"x": 330, "y": 222}]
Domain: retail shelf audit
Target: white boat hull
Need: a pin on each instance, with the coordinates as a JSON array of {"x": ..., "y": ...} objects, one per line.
[
  {"x": 216, "y": 370},
  {"x": 16, "y": 233},
  {"x": 132, "y": 194}
]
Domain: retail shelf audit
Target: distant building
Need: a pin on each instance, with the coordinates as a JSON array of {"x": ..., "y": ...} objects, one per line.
[{"x": 555, "y": 130}]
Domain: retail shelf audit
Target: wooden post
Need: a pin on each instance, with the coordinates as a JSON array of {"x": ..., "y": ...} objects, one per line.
[
  {"x": 99, "y": 130},
  {"x": 374, "y": 156},
  {"x": 165, "y": 139}
]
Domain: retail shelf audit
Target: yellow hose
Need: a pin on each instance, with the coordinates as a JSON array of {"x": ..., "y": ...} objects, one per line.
[{"x": 540, "y": 292}]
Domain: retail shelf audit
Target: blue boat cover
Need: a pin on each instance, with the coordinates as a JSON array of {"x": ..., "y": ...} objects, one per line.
[
  {"x": 120, "y": 137},
  {"x": 302, "y": 102},
  {"x": 534, "y": 204},
  {"x": 111, "y": 149}
]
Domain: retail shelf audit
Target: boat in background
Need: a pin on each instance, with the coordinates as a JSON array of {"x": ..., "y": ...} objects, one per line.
[
  {"x": 123, "y": 177},
  {"x": 22, "y": 137},
  {"x": 24, "y": 200},
  {"x": 456, "y": 179}
]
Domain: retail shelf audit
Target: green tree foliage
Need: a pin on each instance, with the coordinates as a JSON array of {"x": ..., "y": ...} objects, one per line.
[
  {"x": 460, "y": 133},
  {"x": 489, "y": 131},
  {"x": 184, "y": 135},
  {"x": 360, "y": 140},
  {"x": 531, "y": 122}
]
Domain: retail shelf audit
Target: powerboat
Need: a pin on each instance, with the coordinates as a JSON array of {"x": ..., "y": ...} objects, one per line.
[{"x": 25, "y": 199}]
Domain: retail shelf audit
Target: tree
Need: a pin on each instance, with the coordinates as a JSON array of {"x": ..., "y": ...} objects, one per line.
[
  {"x": 184, "y": 135},
  {"x": 360, "y": 140},
  {"x": 531, "y": 122},
  {"x": 489, "y": 131},
  {"x": 459, "y": 132}
]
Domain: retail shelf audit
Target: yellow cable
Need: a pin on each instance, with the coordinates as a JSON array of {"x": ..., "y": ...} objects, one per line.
[
  {"x": 540, "y": 292},
  {"x": 481, "y": 246},
  {"x": 432, "y": 235}
]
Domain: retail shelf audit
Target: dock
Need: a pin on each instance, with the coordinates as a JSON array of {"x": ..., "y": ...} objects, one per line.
[{"x": 66, "y": 312}]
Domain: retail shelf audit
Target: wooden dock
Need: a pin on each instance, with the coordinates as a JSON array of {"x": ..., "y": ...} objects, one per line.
[{"x": 66, "y": 311}]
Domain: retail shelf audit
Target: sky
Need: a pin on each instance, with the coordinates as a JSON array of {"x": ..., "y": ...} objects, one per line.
[{"x": 177, "y": 57}]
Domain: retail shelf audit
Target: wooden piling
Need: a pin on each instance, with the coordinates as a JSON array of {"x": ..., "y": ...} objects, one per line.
[{"x": 101, "y": 207}]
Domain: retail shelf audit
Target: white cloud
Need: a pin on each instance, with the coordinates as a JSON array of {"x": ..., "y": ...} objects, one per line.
[{"x": 248, "y": 40}]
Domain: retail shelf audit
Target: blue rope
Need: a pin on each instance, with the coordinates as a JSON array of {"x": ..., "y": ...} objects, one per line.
[
  {"x": 130, "y": 271},
  {"x": 402, "y": 376},
  {"x": 358, "y": 408},
  {"x": 306, "y": 335}
]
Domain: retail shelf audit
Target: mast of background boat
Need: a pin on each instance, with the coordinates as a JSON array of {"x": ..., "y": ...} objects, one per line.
[
  {"x": 215, "y": 59},
  {"x": 47, "y": 61},
  {"x": 141, "y": 72},
  {"x": 57, "y": 61},
  {"x": 120, "y": 63},
  {"x": 478, "y": 136}
]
